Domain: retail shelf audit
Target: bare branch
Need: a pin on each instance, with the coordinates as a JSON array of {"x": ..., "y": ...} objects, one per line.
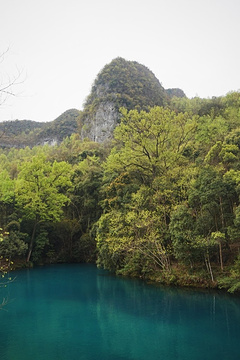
[
  {"x": 7, "y": 83},
  {"x": 7, "y": 282},
  {"x": 4, "y": 303},
  {"x": 2, "y": 55}
]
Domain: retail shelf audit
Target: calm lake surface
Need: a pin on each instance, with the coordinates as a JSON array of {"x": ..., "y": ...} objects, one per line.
[{"x": 78, "y": 312}]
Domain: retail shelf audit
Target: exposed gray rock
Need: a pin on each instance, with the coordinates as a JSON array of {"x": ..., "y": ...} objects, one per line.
[
  {"x": 119, "y": 84},
  {"x": 49, "y": 141},
  {"x": 100, "y": 127}
]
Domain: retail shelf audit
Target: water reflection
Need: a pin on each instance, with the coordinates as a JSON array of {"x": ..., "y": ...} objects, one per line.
[
  {"x": 81, "y": 312},
  {"x": 170, "y": 322}
]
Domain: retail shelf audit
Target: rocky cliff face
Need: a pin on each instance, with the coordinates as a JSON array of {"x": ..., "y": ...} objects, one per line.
[
  {"x": 100, "y": 126},
  {"x": 120, "y": 84}
]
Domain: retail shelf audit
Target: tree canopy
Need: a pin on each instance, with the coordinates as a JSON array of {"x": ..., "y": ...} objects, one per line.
[{"x": 160, "y": 201}]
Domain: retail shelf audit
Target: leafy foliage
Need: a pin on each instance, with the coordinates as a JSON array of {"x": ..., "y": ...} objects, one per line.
[
  {"x": 41, "y": 192},
  {"x": 129, "y": 83},
  {"x": 121, "y": 83},
  {"x": 159, "y": 202}
]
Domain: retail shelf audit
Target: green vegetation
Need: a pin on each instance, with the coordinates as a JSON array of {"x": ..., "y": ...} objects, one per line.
[
  {"x": 49, "y": 201},
  {"x": 119, "y": 84},
  {"x": 160, "y": 202},
  {"x": 22, "y": 133},
  {"x": 171, "y": 194},
  {"x": 129, "y": 84}
]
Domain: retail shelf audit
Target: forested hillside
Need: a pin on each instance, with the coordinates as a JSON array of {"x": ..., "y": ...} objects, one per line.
[
  {"x": 159, "y": 202},
  {"x": 119, "y": 84},
  {"x": 22, "y": 133}
]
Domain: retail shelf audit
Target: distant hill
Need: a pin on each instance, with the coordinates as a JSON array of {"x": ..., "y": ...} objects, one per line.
[
  {"x": 175, "y": 92},
  {"x": 128, "y": 84},
  {"x": 22, "y": 133},
  {"x": 65, "y": 125},
  {"x": 119, "y": 84}
]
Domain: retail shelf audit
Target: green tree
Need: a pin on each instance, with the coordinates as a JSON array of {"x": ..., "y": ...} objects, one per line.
[
  {"x": 143, "y": 177},
  {"x": 5, "y": 267},
  {"x": 189, "y": 246},
  {"x": 131, "y": 238},
  {"x": 6, "y": 195},
  {"x": 13, "y": 245},
  {"x": 41, "y": 192},
  {"x": 75, "y": 235},
  {"x": 153, "y": 142},
  {"x": 232, "y": 281},
  {"x": 182, "y": 233}
]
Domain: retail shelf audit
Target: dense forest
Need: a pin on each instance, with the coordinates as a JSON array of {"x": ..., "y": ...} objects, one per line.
[{"x": 159, "y": 202}]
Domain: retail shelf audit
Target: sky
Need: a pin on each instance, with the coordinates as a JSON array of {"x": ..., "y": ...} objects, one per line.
[{"x": 54, "y": 49}]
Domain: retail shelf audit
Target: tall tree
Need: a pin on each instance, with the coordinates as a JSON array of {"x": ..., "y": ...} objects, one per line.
[
  {"x": 41, "y": 192},
  {"x": 143, "y": 182},
  {"x": 154, "y": 141}
]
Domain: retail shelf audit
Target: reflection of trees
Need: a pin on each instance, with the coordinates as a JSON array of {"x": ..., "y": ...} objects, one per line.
[
  {"x": 81, "y": 312},
  {"x": 6, "y": 279},
  {"x": 159, "y": 321}
]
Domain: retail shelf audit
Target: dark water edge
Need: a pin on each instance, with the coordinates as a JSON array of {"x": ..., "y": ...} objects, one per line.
[{"x": 81, "y": 312}]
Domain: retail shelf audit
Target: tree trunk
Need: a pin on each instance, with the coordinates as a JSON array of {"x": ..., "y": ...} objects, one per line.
[
  {"x": 208, "y": 265},
  {"x": 30, "y": 249},
  {"x": 220, "y": 244},
  {"x": 220, "y": 255}
]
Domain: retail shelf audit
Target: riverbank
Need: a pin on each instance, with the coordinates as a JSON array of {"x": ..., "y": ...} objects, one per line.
[
  {"x": 179, "y": 276},
  {"x": 197, "y": 277}
]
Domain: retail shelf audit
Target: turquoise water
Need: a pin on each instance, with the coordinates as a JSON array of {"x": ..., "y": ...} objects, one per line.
[{"x": 78, "y": 312}]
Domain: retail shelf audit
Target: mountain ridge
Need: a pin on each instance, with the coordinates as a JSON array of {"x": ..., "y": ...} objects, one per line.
[
  {"x": 22, "y": 133},
  {"x": 121, "y": 83}
]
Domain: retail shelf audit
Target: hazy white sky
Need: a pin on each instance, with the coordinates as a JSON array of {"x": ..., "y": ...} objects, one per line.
[{"x": 61, "y": 45}]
